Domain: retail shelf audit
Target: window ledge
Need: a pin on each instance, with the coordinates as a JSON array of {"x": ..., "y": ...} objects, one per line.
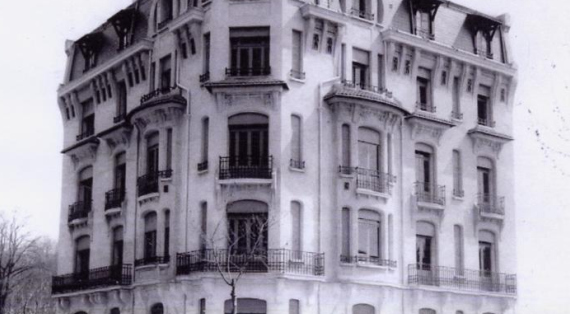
[
  {"x": 113, "y": 211},
  {"x": 366, "y": 265},
  {"x": 151, "y": 266},
  {"x": 457, "y": 198},
  {"x": 148, "y": 197},
  {"x": 293, "y": 169},
  {"x": 203, "y": 172},
  {"x": 298, "y": 80},
  {"x": 372, "y": 193}
]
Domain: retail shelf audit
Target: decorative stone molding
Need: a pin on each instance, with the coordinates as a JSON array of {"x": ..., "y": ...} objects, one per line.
[
  {"x": 117, "y": 136},
  {"x": 485, "y": 140},
  {"x": 157, "y": 116},
  {"x": 83, "y": 152},
  {"x": 261, "y": 99},
  {"x": 427, "y": 126}
]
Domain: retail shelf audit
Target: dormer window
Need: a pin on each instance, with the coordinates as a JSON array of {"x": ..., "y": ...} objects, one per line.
[
  {"x": 90, "y": 45},
  {"x": 422, "y": 16},
  {"x": 124, "y": 23},
  {"x": 483, "y": 31}
]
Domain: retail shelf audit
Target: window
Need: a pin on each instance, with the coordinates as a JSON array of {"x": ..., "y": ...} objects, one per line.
[
  {"x": 424, "y": 168},
  {"x": 115, "y": 311},
  {"x": 249, "y": 51},
  {"x": 360, "y": 68},
  {"x": 166, "y": 233},
  {"x": 157, "y": 308},
  {"x": 395, "y": 63},
  {"x": 203, "y": 225},
  {"x": 485, "y": 180},
  {"x": 457, "y": 174},
  {"x": 169, "y": 149},
  {"x": 207, "y": 53},
  {"x": 424, "y": 24},
  {"x": 486, "y": 253},
  {"x": 205, "y": 143},
  {"x": 202, "y": 306},
  {"x": 425, "y": 245},
  {"x": 249, "y": 143},
  {"x": 407, "y": 67},
  {"x": 165, "y": 73},
  {"x": 443, "y": 77},
  {"x": 117, "y": 253},
  {"x": 459, "y": 252},
  {"x": 361, "y": 8},
  {"x": 165, "y": 11},
  {"x": 294, "y": 307},
  {"x": 88, "y": 120},
  {"x": 343, "y": 62},
  {"x": 120, "y": 172},
  {"x": 369, "y": 235},
  {"x": 192, "y": 46},
  {"x": 427, "y": 311},
  {"x": 380, "y": 71},
  {"x": 424, "y": 90},
  {"x": 85, "y": 187},
  {"x": 297, "y": 57},
  {"x": 345, "y": 158},
  {"x": 152, "y": 76},
  {"x": 152, "y": 154},
  {"x": 362, "y": 309},
  {"x": 121, "y": 101},
  {"x": 503, "y": 95},
  {"x": 483, "y": 106},
  {"x": 345, "y": 233},
  {"x": 246, "y": 306},
  {"x": 296, "y": 227},
  {"x": 380, "y": 11},
  {"x": 369, "y": 149},
  {"x": 456, "y": 94},
  {"x": 247, "y": 226},
  {"x": 150, "y": 236},
  {"x": 330, "y": 45},
  {"x": 82, "y": 254},
  {"x": 316, "y": 41},
  {"x": 296, "y": 149}
]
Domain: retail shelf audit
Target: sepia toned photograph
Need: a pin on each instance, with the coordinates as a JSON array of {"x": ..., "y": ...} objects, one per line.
[{"x": 284, "y": 157}]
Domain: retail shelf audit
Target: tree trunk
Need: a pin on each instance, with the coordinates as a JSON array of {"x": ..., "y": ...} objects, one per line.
[
  {"x": 3, "y": 298},
  {"x": 233, "y": 295}
]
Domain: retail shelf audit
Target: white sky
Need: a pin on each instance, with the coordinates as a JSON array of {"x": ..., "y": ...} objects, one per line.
[{"x": 32, "y": 62}]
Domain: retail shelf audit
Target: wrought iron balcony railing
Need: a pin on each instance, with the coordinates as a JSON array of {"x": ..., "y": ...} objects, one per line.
[
  {"x": 297, "y": 74},
  {"x": 366, "y": 87},
  {"x": 371, "y": 260},
  {"x": 85, "y": 134},
  {"x": 430, "y": 193},
  {"x": 273, "y": 260},
  {"x": 116, "y": 275},
  {"x": 203, "y": 166},
  {"x": 149, "y": 183},
  {"x": 204, "y": 77},
  {"x": 169, "y": 91},
  {"x": 490, "y": 204},
  {"x": 362, "y": 14},
  {"x": 296, "y": 164},
  {"x": 243, "y": 167},
  {"x": 79, "y": 210},
  {"x": 256, "y": 71},
  {"x": 427, "y": 107},
  {"x": 114, "y": 198},
  {"x": 486, "y": 122},
  {"x": 374, "y": 180},
  {"x": 152, "y": 260},
  {"x": 461, "y": 279}
]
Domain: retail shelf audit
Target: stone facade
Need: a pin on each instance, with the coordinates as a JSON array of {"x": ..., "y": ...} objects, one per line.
[{"x": 374, "y": 136}]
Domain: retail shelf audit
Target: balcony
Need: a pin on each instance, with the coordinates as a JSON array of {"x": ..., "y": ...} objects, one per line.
[
  {"x": 486, "y": 122},
  {"x": 162, "y": 94},
  {"x": 204, "y": 77},
  {"x": 246, "y": 167},
  {"x": 461, "y": 279},
  {"x": 114, "y": 198},
  {"x": 152, "y": 260},
  {"x": 427, "y": 107},
  {"x": 271, "y": 261},
  {"x": 362, "y": 14},
  {"x": 148, "y": 183},
  {"x": 490, "y": 204},
  {"x": 118, "y": 275},
  {"x": 366, "y": 87},
  {"x": 203, "y": 166},
  {"x": 429, "y": 193},
  {"x": 368, "y": 260},
  {"x": 85, "y": 134},
  {"x": 255, "y": 71},
  {"x": 374, "y": 180},
  {"x": 79, "y": 210}
]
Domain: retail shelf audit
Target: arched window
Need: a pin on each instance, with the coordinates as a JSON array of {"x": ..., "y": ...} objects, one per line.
[
  {"x": 485, "y": 179},
  {"x": 425, "y": 247},
  {"x": 427, "y": 311},
  {"x": 487, "y": 263},
  {"x": 247, "y": 226},
  {"x": 362, "y": 309},
  {"x": 115, "y": 310},
  {"x": 369, "y": 236},
  {"x": 246, "y": 306},
  {"x": 157, "y": 308},
  {"x": 82, "y": 255},
  {"x": 425, "y": 172},
  {"x": 150, "y": 237},
  {"x": 85, "y": 190}
]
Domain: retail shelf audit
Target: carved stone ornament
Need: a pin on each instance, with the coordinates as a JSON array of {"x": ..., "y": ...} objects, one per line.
[
  {"x": 424, "y": 126},
  {"x": 83, "y": 153},
  {"x": 487, "y": 141},
  {"x": 384, "y": 119},
  {"x": 118, "y": 137},
  {"x": 229, "y": 100},
  {"x": 157, "y": 116}
]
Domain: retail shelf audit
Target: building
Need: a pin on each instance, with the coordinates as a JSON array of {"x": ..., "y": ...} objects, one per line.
[{"x": 371, "y": 138}]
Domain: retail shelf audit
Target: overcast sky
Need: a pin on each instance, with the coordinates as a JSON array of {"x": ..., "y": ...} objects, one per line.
[{"x": 32, "y": 62}]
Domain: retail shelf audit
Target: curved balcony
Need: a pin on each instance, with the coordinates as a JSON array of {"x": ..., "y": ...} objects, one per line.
[
  {"x": 116, "y": 275},
  {"x": 266, "y": 261},
  {"x": 158, "y": 106},
  {"x": 79, "y": 211},
  {"x": 114, "y": 199},
  {"x": 461, "y": 279},
  {"x": 148, "y": 183}
]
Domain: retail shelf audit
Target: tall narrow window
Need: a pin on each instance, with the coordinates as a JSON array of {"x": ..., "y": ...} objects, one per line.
[
  {"x": 88, "y": 120},
  {"x": 360, "y": 68},
  {"x": 166, "y": 233},
  {"x": 486, "y": 253},
  {"x": 207, "y": 53},
  {"x": 345, "y": 158},
  {"x": 459, "y": 253},
  {"x": 166, "y": 11},
  {"x": 381, "y": 71},
  {"x": 296, "y": 149},
  {"x": 424, "y": 90},
  {"x": 165, "y": 73},
  {"x": 425, "y": 246},
  {"x": 369, "y": 149},
  {"x": 202, "y": 306},
  {"x": 390, "y": 154},
  {"x": 345, "y": 234},
  {"x": 369, "y": 231},
  {"x": 82, "y": 255},
  {"x": 247, "y": 226},
  {"x": 456, "y": 113},
  {"x": 149, "y": 237},
  {"x": 424, "y": 170},
  {"x": 362, "y": 309},
  {"x": 152, "y": 83},
  {"x": 249, "y": 145},
  {"x": 203, "y": 225},
  {"x": 152, "y": 154},
  {"x": 157, "y": 308},
  {"x": 84, "y": 192},
  {"x": 343, "y": 62},
  {"x": 121, "y": 101},
  {"x": 249, "y": 51},
  {"x": 457, "y": 174},
  {"x": 205, "y": 143},
  {"x": 169, "y": 149},
  {"x": 115, "y": 198},
  {"x": 294, "y": 307},
  {"x": 485, "y": 182},
  {"x": 297, "y": 57},
  {"x": 296, "y": 229},
  {"x": 117, "y": 254}
]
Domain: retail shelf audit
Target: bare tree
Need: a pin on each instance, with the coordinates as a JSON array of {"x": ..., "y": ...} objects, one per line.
[
  {"x": 18, "y": 258},
  {"x": 246, "y": 250}
]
